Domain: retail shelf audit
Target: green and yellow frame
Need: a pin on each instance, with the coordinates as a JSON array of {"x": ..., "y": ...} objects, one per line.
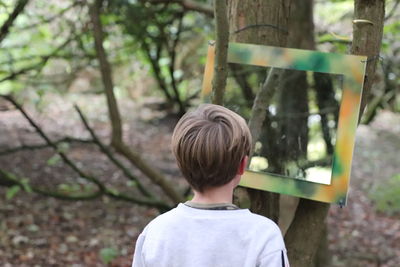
[{"x": 353, "y": 70}]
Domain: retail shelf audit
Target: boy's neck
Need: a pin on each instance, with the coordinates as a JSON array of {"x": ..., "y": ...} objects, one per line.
[{"x": 222, "y": 194}]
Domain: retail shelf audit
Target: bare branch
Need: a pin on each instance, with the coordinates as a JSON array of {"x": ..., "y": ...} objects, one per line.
[{"x": 108, "y": 153}]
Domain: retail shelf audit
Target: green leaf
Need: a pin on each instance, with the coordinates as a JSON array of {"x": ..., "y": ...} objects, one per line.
[
  {"x": 108, "y": 254},
  {"x": 26, "y": 186},
  {"x": 131, "y": 183},
  {"x": 63, "y": 147},
  {"x": 53, "y": 160},
  {"x": 12, "y": 191}
]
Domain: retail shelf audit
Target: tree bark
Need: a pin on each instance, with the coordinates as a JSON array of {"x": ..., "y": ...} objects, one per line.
[
  {"x": 106, "y": 74},
  {"x": 265, "y": 23},
  {"x": 221, "y": 51},
  {"x": 303, "y": 236},
  {"x": 367, "y": 39}
]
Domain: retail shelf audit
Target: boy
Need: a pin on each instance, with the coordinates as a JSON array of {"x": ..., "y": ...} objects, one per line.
[{"x": 211, "y": 145}]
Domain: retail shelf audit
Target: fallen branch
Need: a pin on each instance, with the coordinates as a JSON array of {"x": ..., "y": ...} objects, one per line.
[
  {"x": 7, "y": 179},
  {"x": 45, "y": 145}
]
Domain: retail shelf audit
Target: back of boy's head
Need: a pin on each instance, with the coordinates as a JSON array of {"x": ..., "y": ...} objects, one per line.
[{"x": 209, "y": 144}]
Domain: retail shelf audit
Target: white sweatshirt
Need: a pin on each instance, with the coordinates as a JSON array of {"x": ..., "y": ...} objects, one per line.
[{"x": 190, "y": 237}]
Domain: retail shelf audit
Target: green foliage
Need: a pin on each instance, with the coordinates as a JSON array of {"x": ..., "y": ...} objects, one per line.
[
  {"x": 25, "y": 184},
  {"x": 12, "y": 191},
  {"x": 53, "y": 160},
  {"x": 108, "y": 254},
  {"x": 387, "y": 195}
]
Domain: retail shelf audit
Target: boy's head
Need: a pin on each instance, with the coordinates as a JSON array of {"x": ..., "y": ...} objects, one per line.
[{"x": 209, "y": 144}]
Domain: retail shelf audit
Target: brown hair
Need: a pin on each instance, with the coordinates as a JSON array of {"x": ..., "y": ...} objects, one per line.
[{"x": 209, "y": 144}]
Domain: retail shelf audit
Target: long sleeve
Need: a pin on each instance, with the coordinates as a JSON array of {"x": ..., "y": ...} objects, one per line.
[{"x": 138, "y": 260}]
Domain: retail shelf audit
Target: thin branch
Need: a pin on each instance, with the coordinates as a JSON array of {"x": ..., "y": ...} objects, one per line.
[
  {"x": 392, "y": 11},
  {"x": 64, "y": 157},
  {"x": 108, "y": 153},
  {"x": 221, "y": 51},
  {"x": 172, "y": 52},
  {"x": 155, "y": 176},
  {"x": 5, "y": 28},
  {"x": 45, "y": 145}
]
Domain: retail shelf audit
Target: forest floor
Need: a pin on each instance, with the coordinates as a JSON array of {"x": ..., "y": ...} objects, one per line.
[{"x": 40, "y": 231}]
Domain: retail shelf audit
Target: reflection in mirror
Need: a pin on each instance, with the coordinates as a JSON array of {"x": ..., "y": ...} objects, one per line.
[{"x": 298, "y": 135}]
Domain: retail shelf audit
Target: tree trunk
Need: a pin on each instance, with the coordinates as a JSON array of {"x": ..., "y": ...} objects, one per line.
[
  {"x": 303, "y": 236},
  {"x": 265, "y": 23},
  {"x": 367, "y": 39}
]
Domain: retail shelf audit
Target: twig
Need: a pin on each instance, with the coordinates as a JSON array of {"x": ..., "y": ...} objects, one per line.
[
  {"x": 108, "y": 153},
  {"x": 171, "y": 67},
  {"x": 392, "y": 11}
]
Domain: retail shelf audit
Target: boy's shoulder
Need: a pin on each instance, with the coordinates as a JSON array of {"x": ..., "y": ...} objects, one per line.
[{"x": 242, "y": 217}]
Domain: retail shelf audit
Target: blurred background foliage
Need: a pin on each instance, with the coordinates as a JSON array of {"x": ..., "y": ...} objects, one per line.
[{"x": 156, "y": 49}]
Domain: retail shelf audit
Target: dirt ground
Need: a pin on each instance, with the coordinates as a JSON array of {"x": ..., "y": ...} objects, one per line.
[{"x": 40, "y": 231}]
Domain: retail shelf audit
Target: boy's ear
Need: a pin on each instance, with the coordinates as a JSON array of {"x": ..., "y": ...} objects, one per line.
[{"x": 242, "y": 165}]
